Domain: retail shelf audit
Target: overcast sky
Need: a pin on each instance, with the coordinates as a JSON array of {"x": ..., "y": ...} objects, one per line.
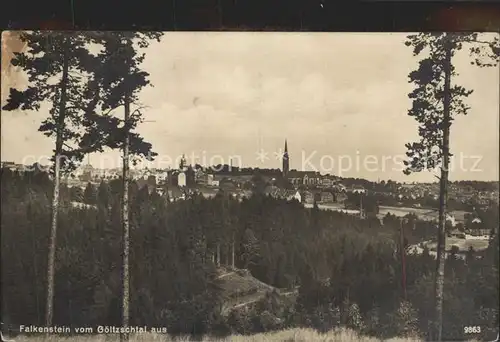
[{"x": 336, "y": 97}]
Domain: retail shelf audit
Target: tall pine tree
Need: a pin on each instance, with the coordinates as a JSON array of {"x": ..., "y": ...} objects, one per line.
[
  {"x": 120, "y": 80},
  {"x": 59, "y": 68},
  {"x": 436, "y": 102}
]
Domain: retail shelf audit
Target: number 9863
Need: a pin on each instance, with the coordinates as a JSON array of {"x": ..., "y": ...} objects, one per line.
[{"x": 475, "y": 329}]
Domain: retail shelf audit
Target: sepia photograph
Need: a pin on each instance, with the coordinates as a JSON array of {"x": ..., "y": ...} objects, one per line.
[{"x": 249, "y": 186}]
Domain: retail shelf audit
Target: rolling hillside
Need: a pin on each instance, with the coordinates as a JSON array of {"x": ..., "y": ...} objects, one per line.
[{"x": 242, "y": 289}]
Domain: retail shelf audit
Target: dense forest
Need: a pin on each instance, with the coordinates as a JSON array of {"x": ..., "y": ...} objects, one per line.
[{"x": 348, "y": 271}]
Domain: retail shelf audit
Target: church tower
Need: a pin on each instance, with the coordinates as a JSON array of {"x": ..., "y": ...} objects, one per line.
[
  {"x": 183, "y": 163},
  {"x": 286, "y": 161}
]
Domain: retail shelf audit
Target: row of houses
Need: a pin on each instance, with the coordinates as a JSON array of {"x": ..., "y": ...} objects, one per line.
[
  {"x": 310, "y": 178},
  {"x": 12, "y": 166},
  {"x": 178, "y": 193},
  {"x": 89, "y": 173},
  {"x": 307, "y": 196},
  {"x": 460, "y": 193},
  {"x": 188, "y": 176},
  {"x": 21, "y": 168}
]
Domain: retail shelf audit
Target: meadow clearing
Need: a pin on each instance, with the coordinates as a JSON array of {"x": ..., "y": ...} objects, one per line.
[{"x": 289, "y": 335}]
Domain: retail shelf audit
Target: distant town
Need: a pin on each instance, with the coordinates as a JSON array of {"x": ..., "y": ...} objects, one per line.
[
  {"x": 262, "y": 189},
  {"x": 308, "y": 187}
]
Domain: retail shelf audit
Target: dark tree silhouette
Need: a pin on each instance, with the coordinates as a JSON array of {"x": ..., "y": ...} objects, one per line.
[
  {"x": 64, "y": 56},
  {"x": 436, "y": 102},
  {"x": 120, "y": 80}
]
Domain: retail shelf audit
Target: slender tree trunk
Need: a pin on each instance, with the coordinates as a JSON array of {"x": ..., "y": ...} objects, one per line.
[
  {"x": 227, "y": 254},
  {"x": 443, "y": 196},
  {"x": 70, "y": 306},
  {"x": 218, "y": 255},
  {"x": 35, "y": 269},
  {"x": 205, "y": 252},
  {"x": 345, "y": 313},
  {"x": 403, "y": 261},
  {"x": 126, "y": 224},
  {"x": 232, "y": 252},
  {"x": 361, "y": 206},
  {"x": 55, "y": 196}
]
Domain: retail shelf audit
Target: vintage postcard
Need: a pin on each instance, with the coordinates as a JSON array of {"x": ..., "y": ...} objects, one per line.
[{"x": 249, "y": 186}]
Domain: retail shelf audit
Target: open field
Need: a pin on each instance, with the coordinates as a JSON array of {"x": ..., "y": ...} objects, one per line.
[
  {"x": 462, "y": 244},
  {"x": 298, "y": 335},
  {"x": 423, "y": 214},
  {"x": 402, "y": 211},
  {"x": 334, "y": 207}
]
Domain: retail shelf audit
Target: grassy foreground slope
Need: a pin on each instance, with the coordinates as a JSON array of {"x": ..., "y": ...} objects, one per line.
[{"x": 298, "y": 335}]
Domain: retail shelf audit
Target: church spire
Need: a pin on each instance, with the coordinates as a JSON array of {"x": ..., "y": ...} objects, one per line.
[
  {"x": 183, "y": 163},
  {"x": 286, "y": 162}
]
